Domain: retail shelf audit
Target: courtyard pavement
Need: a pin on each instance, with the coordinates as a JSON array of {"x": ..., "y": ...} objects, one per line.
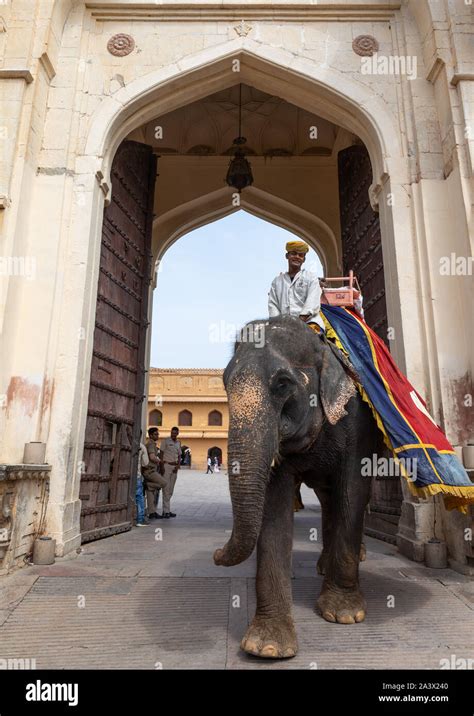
[{"x": 149, "y": 599}]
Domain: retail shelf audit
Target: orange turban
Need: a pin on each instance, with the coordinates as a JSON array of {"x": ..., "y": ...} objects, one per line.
[{"x": 299, "y": 246}]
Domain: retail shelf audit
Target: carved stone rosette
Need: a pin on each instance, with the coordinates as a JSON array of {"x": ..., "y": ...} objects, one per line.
[
  {"x": 365, "y": 45},
  {"x": 121, "y": 45}
]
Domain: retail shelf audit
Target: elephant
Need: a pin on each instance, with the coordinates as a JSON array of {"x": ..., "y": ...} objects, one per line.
[
  {"x": 295, "y": 414},
  {"x": 298, "y": 501}
]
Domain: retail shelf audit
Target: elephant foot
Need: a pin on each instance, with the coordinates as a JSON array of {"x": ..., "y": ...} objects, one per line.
[
  {"x": 271, "y": 638},
  {"x": 341, "y": 606}
]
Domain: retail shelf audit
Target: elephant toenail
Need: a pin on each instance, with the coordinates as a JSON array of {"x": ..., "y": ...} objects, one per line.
[
  {"x": 270, "y": 651},
  {"x": 345, "y": 619},
  {"x": 360, "y": 616},
  {"x": 218, "y": 554},
  {"x": 329, "y": 616},
  {"x": 289, "y": 652},
  {"x": 250, "y": 647}
]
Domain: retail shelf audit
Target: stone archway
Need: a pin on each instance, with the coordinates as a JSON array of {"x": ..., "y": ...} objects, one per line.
[
  {"x": 169, "y": 227},
  {"x": 299, "y": 81},
  {"x": 348, "y": 103}
]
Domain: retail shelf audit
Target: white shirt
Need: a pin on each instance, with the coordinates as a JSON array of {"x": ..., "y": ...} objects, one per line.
[
  {"x": 297, "y": 296},
  {"x": 144, "y": 459}
]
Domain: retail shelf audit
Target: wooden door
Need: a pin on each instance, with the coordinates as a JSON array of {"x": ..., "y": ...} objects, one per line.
[
  {"x": 360, "y": 233},
  {"x": 362, "y": 252},
  {"x": 118, "y": 371}
]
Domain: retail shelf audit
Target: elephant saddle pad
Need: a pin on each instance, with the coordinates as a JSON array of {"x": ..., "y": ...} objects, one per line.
[{"x": 423, "y": 453}]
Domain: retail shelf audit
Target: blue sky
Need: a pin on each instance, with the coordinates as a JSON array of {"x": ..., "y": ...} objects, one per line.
[{"x": 210, "y": 283}]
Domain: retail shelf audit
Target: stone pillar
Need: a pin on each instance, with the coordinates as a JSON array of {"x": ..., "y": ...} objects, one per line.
[{"x": 415, "y": 526}]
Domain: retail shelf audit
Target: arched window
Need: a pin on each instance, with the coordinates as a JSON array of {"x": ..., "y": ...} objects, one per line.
[
  {"x": 185, "y": 456},
  {"x": 155, "y": 418},
  {"x": 185, "y": 417},
  {"x": 215, "y": 418},
  {"x": 215, "y": 452}
]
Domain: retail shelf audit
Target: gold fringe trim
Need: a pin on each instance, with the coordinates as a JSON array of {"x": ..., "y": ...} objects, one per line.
[{"x": 455, "y": 497}]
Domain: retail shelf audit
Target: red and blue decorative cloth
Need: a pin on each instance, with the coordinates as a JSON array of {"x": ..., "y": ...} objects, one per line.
[{"x": 409, "y": 431}]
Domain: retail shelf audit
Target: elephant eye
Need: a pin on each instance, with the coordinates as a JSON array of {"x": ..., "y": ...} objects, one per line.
[{"x": 282, "y": 383}]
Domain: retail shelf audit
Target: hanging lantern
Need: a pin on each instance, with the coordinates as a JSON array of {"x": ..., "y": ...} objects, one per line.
[{"x": 239, "y": 174}]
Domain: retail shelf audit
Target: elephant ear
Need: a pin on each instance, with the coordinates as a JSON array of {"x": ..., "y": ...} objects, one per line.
[{"x": 336, "y": 388}]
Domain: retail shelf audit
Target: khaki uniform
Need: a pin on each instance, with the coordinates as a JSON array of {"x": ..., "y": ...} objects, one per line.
[
  {"x": 153, "y": 480},
  {"x": 171, "y": 456}
]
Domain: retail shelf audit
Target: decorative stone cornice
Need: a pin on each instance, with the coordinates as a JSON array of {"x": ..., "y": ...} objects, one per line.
[
  {"x": 435, "y": 69},
  {"x": 104, "y": 185},
  {"x": 16, "y": 74},
  {"x": 462, "y": 77},
  {"x": 213, "y": 434},
  {"x": 233, "y": 12},
  {"x": 24, "y": 472},
  {"x": 47, "y": 66},
  {"x": 243, "y": 28},
  {"x": 375, "y": 190}
]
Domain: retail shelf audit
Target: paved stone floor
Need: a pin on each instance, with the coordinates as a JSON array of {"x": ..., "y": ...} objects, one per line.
[{"x": 138, "y": 601}]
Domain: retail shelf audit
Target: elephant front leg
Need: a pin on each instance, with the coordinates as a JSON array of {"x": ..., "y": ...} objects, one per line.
[
  {"x": 323, "y": 493},
  {"x": 272, "y": 632},
  {"x": 341, "y": 599}
]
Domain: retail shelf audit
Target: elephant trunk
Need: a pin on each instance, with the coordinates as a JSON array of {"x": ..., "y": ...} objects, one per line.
[{"x": 251, "y": 455}]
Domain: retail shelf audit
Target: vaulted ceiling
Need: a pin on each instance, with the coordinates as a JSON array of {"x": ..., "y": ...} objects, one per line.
[{"x": 271, "y": 126}]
